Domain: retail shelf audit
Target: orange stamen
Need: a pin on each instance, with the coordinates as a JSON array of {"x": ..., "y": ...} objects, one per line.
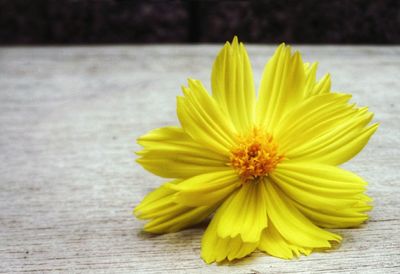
[{"x": 255, "y": 156}]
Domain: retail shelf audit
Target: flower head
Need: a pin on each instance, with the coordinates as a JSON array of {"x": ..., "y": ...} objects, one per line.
[{"x": 267, "y": 166}]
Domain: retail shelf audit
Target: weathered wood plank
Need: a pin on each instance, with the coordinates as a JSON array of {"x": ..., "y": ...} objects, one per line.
[{"x": 68, "y": 122}]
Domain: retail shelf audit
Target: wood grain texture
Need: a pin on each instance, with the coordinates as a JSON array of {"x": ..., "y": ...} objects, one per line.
[{"x": 69, "y": 118}]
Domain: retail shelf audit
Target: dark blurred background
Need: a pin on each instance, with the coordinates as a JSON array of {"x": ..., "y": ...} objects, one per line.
[{"x": 116, "y": 22}]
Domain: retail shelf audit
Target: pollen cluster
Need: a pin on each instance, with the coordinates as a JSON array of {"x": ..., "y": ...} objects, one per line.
[{"x": 255, "y": 156}]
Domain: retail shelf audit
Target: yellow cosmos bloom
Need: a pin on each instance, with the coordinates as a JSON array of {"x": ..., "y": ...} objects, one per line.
[{"x": 266, "y": 166}]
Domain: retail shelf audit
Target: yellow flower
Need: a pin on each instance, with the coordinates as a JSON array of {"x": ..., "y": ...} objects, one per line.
[{"x": 267, "y": 166}]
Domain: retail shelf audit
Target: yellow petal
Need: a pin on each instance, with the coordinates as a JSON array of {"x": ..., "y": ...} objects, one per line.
[
  {"x": 337, "y": 218},
  {"x": 166, "y": 215},
  {"x": 312, "y": 87},
  {"x": 323, "y": 86},
  {"x": 169, "y": 152},
  {"x": 311, "y": 75},
  {"x": 318, "y": 185},
  {"x": 291, "y": 223},
  {"x": 324, "y": 128},
  {"x": 282, "y": 87},
  {"x": 178, "y": 220},
  {"x": 233, "y": 85},
  {"x": 339, "y": 144},
  {"x": 217, "y": 249},
  {"x": 245, "y": 214},
  {"x": 206, "y": 188},
  {"x": 312, "y": 118},
  {"x": 204, "y": 121},
  {"x": 274, "y": 244},
  {"x": 343, "y": 149},
  {"x": 156, "y": 203}
]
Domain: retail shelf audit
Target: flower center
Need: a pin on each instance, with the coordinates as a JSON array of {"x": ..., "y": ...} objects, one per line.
[{"x": 255, "y": 156}]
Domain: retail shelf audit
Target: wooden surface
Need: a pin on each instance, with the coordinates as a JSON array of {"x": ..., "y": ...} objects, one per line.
[{"x": 69, "y": 118}]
